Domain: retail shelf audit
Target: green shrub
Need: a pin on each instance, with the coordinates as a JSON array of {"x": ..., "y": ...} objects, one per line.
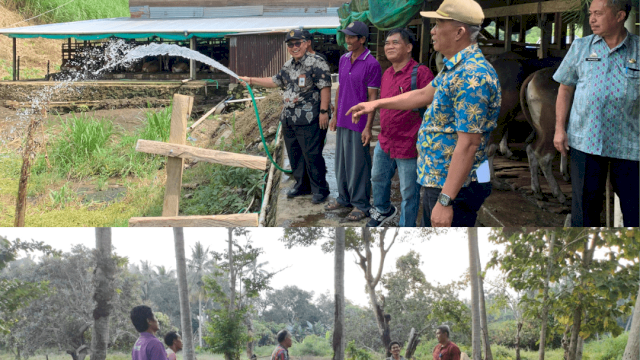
[
  {"x": 79, "y": 149},
  {"x": 606, "y": 349},
  {"x": 504, "y": 333},
  {"x": 312, "y": 345},
  {"x": 354, "y": 353},
  {"x": 158, "y": 125}
]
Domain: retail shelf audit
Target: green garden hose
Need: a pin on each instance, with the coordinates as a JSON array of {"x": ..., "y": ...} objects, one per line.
[{"x": 264, "y": 142}]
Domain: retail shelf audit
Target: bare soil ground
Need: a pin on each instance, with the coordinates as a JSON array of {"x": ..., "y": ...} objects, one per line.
[{"x": 33, "y": 53}]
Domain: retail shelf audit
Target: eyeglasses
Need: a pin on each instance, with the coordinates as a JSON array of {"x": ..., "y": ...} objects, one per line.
[{"x": 292, "y": 44}]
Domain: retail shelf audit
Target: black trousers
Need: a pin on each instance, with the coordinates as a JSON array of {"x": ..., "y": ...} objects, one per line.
[
  {"x": 304, "y": 145},
  {"x": 588, "y": 181},
  {"x": 465, "y": 205}
]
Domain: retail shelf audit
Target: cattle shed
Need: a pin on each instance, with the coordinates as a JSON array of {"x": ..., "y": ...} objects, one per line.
[
  {"x": 509, "y": 21},
  {"x": 199, "y": 24}
]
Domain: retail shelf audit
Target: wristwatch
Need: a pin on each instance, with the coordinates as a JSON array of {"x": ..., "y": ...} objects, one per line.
[
  {"x": 444, "y": 199},
  {"x": 323, "y": 111}
]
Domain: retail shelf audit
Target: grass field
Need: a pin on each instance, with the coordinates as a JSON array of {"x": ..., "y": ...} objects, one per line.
[{"x": 73, "y": 11}]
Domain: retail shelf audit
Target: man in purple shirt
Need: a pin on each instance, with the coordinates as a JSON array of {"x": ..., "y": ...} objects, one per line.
[
  {"x": 396, "y": 146},
  {"x": 359, "y": 79},
  {"x": 148, "y": 346}
]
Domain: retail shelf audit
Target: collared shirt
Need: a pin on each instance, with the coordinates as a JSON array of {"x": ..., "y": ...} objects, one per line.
[
  {"x": 302, "y": 81},
  {"x": 448, "y": 352},
  {"x": 604, "y": 115},
  {"x": 355, "y": 81},
  {"x": 467, "y": 99},
  {"x": 148, "y": 347},
  {"x": 399, "y": 128},
  {"x": 280, "y": 353},
  {"x": 391, "y": 357}
]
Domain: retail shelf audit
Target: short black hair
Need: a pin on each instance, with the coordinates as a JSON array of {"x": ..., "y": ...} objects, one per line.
[
  {"x": 394, "y": 343},
  {"x": 620, "y": 5},
  {"x": 139, "y": 316},
  {"x": 406, "y": 35},
  {"x": 282, "y": 335},
  {"x": 444, "y": 329},
  {"x": 307, "y": 34},
  {"x": 170, "y": 337}
]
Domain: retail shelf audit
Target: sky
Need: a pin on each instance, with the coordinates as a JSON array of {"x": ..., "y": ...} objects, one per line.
[{"x": 444, "y": 258}]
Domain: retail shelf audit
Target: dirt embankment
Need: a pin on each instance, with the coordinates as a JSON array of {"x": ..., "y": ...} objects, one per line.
[{"x": 33, "y": 53}]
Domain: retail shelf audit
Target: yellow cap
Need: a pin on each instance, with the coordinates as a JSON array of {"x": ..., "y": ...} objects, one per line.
[{"x": 464, "y": 11}]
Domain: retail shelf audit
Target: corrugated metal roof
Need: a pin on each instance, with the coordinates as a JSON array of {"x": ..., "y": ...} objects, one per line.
[
  {"x": 176, "y": 26},
  {"x": 283, "y": 10},
  {"x": 175, "y": 12}
]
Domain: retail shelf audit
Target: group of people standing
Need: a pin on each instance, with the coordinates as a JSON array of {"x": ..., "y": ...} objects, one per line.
[
  {"x": 444, "y": 350},
  {"x": 440, "y": 157}
]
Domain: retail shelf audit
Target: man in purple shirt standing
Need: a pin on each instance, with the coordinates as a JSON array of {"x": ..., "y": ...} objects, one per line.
[
  {"x": 396, "y": 146},
  {"x": 148, "y": 346},
  {"x": 359, "y": 81}
]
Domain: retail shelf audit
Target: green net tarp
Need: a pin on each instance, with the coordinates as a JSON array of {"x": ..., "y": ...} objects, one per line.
[{"x": 383, "y": 14}]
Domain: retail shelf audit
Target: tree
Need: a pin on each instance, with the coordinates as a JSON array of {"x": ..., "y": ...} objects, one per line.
[
  {"x": 475, "y": 294},
  {"x": 551, "y": 236},
  {"x": 199, "y": 264},
  {"x": 14, "y": 293},
  {"x": 362, "y": 244},
  {"x": 416, "y": 305},
  {"x": 483, "y": 309},
  {"x": 185, "y": 311},
  {"x": 233, "y": 298},
  {"x": 592, "y": 292},
  {"x": 632, "y": 350},
  {"x": 103, "y": 278},
  {"x": 290, "y": 305},
  {"x": 61, "y": 317},
  {"x": 338, "y": 281},
  {"x": 506, "y": 299}
]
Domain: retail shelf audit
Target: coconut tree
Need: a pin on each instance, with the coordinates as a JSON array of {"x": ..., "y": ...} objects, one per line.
[
  {"x": 199, "y": 265},
  {"x": 185, "y": 311},
  {"x": 338, "y": 279},
  {"x": 475, "y": 308},
  {"x": 103, "y": 277}
]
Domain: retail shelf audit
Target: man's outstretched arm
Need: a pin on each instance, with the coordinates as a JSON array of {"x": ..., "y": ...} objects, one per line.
[{"x": 407, "y": 101}]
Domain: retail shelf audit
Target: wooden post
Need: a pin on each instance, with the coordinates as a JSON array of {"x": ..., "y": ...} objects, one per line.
[
  {"x": 14, "y": 59},
  {"x": 181, "y": 109},
  {"x": 507, "y": 33},
  {"x": 18, "y": 69},
  {"x": 25, "y": 172},
  {"x": 523, "y": 31},
  {"x": 192, "y": 63},
  {"x": 425, "y": 36},
  {"x": 545, "y": 37}
]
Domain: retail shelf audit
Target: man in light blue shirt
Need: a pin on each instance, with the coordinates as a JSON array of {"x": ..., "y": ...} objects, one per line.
[{"x": 601, "y": 76}]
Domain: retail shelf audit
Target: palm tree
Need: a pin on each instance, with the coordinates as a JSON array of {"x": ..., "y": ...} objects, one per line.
[
  {"x": 149, "y": 277},
  {"x": 185, "y": 312},
  {"x": 338, "y": 278},
  {"x": 199, "y": 265},
  {"x": 475, "y": 308},
  {"x": 103, "y": 278}
]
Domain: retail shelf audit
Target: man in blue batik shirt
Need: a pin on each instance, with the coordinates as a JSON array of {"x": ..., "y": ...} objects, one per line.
[
  {"x": 464, "y": 104},
  {"x": 601, "y": 75}
]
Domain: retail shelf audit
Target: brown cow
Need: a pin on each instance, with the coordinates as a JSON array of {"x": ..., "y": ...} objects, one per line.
[
  {"x": 538, "y": 98},
  {"x": 512, "y": 69},
  {"x": 151, "y": 65},
  {"x": 180, "y": 67}
]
